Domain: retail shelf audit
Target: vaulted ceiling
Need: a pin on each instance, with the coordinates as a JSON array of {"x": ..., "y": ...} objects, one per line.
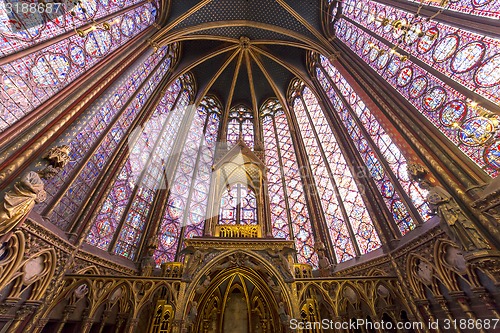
[{"x": 245, "y": 51}]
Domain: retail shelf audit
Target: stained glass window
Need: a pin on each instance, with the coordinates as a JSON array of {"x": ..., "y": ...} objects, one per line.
[
  {"x": 240, "y": 125},
  {"x": 384, "y": 160},
  {"x": 152, "y": 178},
  {"x": 238, "y": 205},
  {"x": 20, "y": 31},
  {"x": 187, "y": 200},
  {"x": 348, "y": 221},
  {"x": 446, "y": 108},
  {"x": 110, "y": 115},
  {"x": 464, "y": 56},
  {"x": 485, "y": 8},
  {"x": 30, "y": 80},
  {"x": 202, "y": 178},
  {"x": 140, "y": 177},
  {"x": 289, "y": 212}
]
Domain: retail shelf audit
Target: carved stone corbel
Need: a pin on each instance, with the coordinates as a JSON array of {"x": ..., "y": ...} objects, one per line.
[
  {"x": 453, "y": 220},
  {"x": 57, "y": 158}
]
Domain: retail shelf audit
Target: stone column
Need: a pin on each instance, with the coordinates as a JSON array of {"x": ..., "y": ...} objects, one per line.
[
  {"x": 487, "y": 300},
  {"x": 104, "y": 317},
  {"x": 178, "y": 326},
  {"x": 374, "y": 317},
  {"x": 442, "y": 302},
  {"x": 131, "y": 325},
  {"x": 68, "y": 310},
  {"x": 344, "y": 319},
  {"x": 337, "y": 319},
  {"x": 41, "y": 324},
  {"x": 24, "y": 311},
  {"x": 424, "y": 305},
  {"x": 462, "y": 300},
  {"x": 120, "y": 320},
  {"x": 86, "y": 321}
]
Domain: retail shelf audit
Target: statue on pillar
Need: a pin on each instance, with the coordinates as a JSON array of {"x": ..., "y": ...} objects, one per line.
[
  {"x": 148, "y": 263},
  {"x": 192, "y": 314},
  {"x": 19, "y": 202},
  {"x": 280, "y": 260},
  {"x": 204, "y": 285},
  {"x": 457, "y": 225},
  {"x": 325, "y": 267}
]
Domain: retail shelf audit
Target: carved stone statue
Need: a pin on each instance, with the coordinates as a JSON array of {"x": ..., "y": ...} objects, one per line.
[
  {"x": 279, "y": 258},
  {"x": 78, "y": 294},
  {"x": 284, "y": 317},
  {"x": 276, "y": 289},
  {"x": 455, "y": 223},
  {"x": 19, "y": 202},
  {"x": 148, "y": 263},
  {"x": 193, "y": 313},
  {"x": 425, "y": 273},
  {"x": 194, "y": 262},
  {"x": 57, "y": 158},
  {"x": 325, "y": 267},
  {"x": 204, "y": 285}
]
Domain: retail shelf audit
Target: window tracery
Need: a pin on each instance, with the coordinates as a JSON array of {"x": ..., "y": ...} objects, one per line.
[
  {"x": 240, "y": 124},
  {"x": 384, "y": 160},
  {"x": 238, "y": 205},
  {"x": 446, "y": 108},
  {"x": 32, "y": 79},
  {"x": 184, "y": 216},
  {"x": 140, "y": 177},
  {"x": 23, "y": 31},
  {"x": 466, "y": 57},
  {"x": 289, "y": 212},
  {"x": 110, "y": 115},
  {"x": 485, "y": 8},
  {"x": 348, "y": 221}
]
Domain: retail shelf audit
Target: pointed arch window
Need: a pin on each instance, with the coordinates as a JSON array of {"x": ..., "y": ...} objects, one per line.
[
  {"x": 350, "y": 227},
  {"x": 464, "y": 56},
  {"x": 238, "y": 205},
  {"x": 31, "y": 79},
  {"x": 289, "y": 211},
  {"x": 127, "y": 206},
  {"x": 383, "y": 159},
  {"x": 486, "y": 8},
  {"x": 186, "y": 205},
  {"x": 110, "y": 115},
  {"x": 447, "y": 109},
  {"x": 19, "y": 33},
  {"x": 240, "y": 125}
]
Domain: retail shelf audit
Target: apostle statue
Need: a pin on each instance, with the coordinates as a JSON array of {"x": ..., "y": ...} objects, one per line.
[
  {"x": 192, "y": 314},
  {"x": 148, "y": 263},
  {"x": 325, "y": 266},
  {"x": 19, "y": 202},
  {"x": 453, "y": 220}
]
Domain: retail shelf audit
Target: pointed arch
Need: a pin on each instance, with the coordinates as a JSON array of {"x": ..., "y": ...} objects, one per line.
[
  {"x": 348, "y": 221},
  {"x": 185, "y": 209},
  {"x": 290, "y": 216}
]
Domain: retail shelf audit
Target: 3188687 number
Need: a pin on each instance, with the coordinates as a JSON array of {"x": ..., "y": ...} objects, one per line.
[
  {"x": 471, "y": 324},
  {"x": 31, "y": 7}
]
